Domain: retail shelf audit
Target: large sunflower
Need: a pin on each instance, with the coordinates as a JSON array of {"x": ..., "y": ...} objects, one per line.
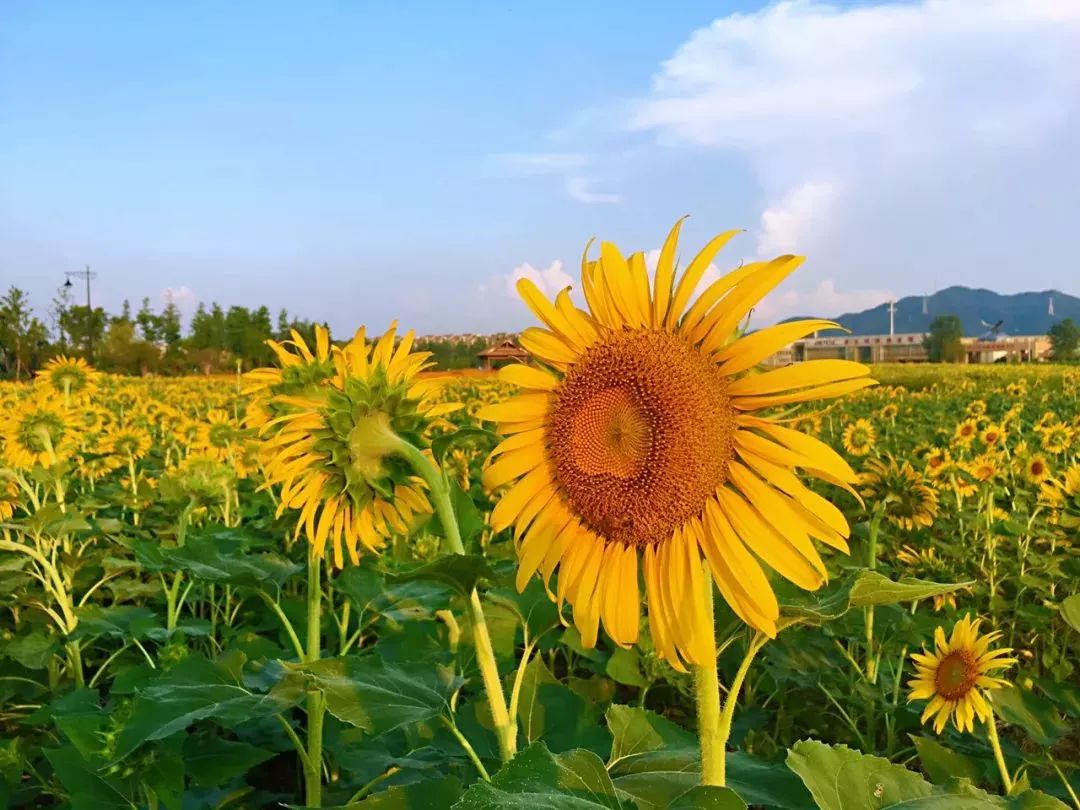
[
  {"x": 955, "y": 676},
  {"x": 38, "y": 432},
  {"x": 639, "y": 442},
  {"x": 69, "y": 375},
  {"x": 330, "y": 448}
]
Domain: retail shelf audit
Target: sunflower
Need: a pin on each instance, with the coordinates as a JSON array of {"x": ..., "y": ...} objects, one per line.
[
  {"x": 218, "y": 434},
  {"x": 1057, "y": 438},
  {"x": 9, "y": 498},
  {"x": 991, "y": 435},
  {"x": 1035, "y": 468},
  {"x": 332, "y": 448},
  {"x": 38, "y": 432},
  {"x": 299, "y": 368},
  {"x": 937, "y": 462},
  {"x": 976, "y": 408},
  {"x": 69, "y": 376},
  {"x": 984, "y": 468},
  {"x": 859, "y": 437},
  {"x": 908, "y": 502},
  {"x": 128, "y": 441},
  {"x": 955, "y": 676},
  {"x": 637, "y": 443},
  {"x": 1017, "y": 389},
  {"x": 966, "y": 432},
  {"x": 889, "y": 412}
]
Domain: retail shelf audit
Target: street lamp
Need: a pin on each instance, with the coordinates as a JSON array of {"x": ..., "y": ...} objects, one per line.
[{"x": 86, "y": 274}]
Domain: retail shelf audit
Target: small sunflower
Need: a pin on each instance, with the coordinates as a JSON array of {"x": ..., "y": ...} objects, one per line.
[
  {"x": 332, "y": 450},
  {"x": 127, "y": 441},
  {"x": 889, "y": 412},
  {"x": 638, "y": 443},
  {"x": 218, "y": 434},
  {"x": 908, "y": 502},
  {"x": 1035, "y": 468},
  {"x": 1057, "y": 438},
  {"x": 966, "y": 432},
  {"x": 859, "y": 437},
  {"x": 976, "y": 408},
  {"x": 70, "y": 376},
  {"x": 956, "y": 675},
  {"x": 937, "y": 462},
  {"x": 992, "y": 435},
  {"x": 984, "y": 468}
]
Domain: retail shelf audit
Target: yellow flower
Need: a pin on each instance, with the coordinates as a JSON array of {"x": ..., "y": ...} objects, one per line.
[
  {"x": 332, "y": 449},
  {"x": 976, "y": 408},
  {"x": 69, "y": 375},
  {"x": 956, "y": 675},
  {"x": 1057, "y": 438},
  {"x": 37, "y": 433},
  {"x": 991, "y": 435},
  {"x": 908, "y": 502},
  {"x": 966, "y": 432},
  {"x": 1035, "y": 468},
  {"x": 638, "y": 443},
  {"x": 984, "y": 468},
  {"x": 859, "y": 437},
  {"x": 889, "y": 412},
  {"x": 218, "y": 434},
  {"x": 127, "y": 440}
]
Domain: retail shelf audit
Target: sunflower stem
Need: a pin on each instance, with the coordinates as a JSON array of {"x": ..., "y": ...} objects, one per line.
[
  {"x": 707, "y": 694},
  {"x": 439, "y": 490},
  {"x": 316, "y": 701},
  {"x": 999, "y": 757}
]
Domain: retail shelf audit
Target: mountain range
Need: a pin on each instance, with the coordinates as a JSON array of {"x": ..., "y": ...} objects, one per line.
[{"x": 1026, "y": 313}]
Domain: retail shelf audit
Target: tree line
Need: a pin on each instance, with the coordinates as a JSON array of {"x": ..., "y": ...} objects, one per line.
[{"x": 147, "y": 341}]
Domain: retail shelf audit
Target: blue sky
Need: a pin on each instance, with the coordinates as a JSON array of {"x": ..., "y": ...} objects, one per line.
[{"x": 356, "y": 162}]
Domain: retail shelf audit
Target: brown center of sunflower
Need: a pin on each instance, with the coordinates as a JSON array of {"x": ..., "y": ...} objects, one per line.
[
  {"x": 956, "y": 675},
  {"x": 1037, "y": 467},
  {"x": 640, "y": 435}
]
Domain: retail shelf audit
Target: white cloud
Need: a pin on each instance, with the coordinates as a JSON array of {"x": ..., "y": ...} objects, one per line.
[
  {"x": 916, "y": 144},
  {"x": 797, "y": 220},
  {"x": 183, "y": 296},
  {"x": 580, "y": 189},
  {"x": 551, "y": 280}
]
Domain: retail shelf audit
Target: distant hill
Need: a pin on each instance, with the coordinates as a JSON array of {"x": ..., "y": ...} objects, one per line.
[{"x": 1023, "y": 313}]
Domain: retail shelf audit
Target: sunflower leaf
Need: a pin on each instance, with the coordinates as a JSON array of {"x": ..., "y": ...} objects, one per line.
[
  {"x": 442, "y": 443},
  {"x": 462, "y": 572},
  {"x": 1070, "y": 611}
]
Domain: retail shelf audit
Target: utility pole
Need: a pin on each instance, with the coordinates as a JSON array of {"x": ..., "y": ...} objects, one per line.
[
  {"x": 892, "y": 320},
  {"x": 86, "y": 274}
]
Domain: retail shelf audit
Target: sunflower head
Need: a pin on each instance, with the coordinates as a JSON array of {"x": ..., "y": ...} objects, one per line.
[
  {"x": 1035, "y": 468},
  {"x": 334, "y": 447},
  {"x": 905, "y": 499},
  {"x": 859, "y": 437},
  {"x": 992, "y": 435},
  {"x": 38, "y": 432},
  {"x": 966, "y": 432},
  {"x": 638, "y": 445},
  {"x": 955, "y": 677},
  {"x": 299, "y": 370},
  {"x": 69, "y": 376}
]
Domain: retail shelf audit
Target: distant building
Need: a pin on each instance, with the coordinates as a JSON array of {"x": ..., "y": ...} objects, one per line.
[
  {"x": 908, "y": 348},
  {"x": 502, "y": 354}
]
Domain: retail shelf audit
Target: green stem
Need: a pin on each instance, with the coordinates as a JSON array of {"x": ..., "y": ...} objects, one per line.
[
  {"x": 468, "y": 748},
  {"x": 1068, "y": 787},
  {"x": 707, "y": 694},
  {"x": 75, "y": 663},
  {"x": 999, "y": 757},
  {"x": 301, "y": 655},
  {"x": 316, "y": 701},
  {"x": 756, "y": 643},
  {"x": 439, "y": 491}
]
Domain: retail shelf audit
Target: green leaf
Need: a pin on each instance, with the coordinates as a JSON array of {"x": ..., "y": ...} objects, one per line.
[
  {"x": 861, "y": 589},
  {"x": 705, "y": 797},
  {"x": 842, "y": 779},
  {"x": 470, "y": 521},
  {"x": 198, "y": 689},
  {"x": 536, "y": 779},
  {"x": 461, "y": 572},
  {"x": 1070, "y": 611},
  {"x": 213, "y": 761},
  {"x": 213, "y": 558},
  {"x": 442, "y": 443},
  {"x": 941, "y": 763},
  {"x": 551, "y": 711},
  {"x": 624, "y": 667},
  {"x": 33, "y": 650},
  {"x": 1036, "y": 715},
  {"x": 89, "y": 790},
  {"x": 654, "y": 762},
  {"x": 872, "y": 588},
  {"x": 117, "y": 621},
  {"x": 366, "y": 692}
]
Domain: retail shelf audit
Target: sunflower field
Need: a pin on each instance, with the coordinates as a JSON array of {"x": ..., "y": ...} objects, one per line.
[{"x": 640, "y": 572}]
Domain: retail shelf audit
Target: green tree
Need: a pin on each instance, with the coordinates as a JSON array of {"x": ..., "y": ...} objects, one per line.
[
  {"x": 23, "y": 338},
  {"x": 85, "y": 328},
  {"x": 944, "y": 343},
  {"x": 124, "y": 352},
  {"x": 1064, "y": 340},
  {"x": 169, "y": 327},
  {"x": 148, "y": 322}
]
